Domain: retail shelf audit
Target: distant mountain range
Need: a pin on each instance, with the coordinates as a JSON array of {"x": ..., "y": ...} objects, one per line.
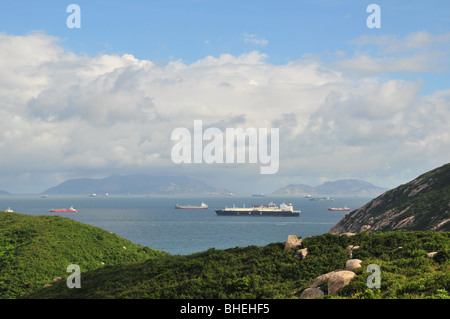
[
  {"x": 422, "y": 204},
  {"x": 142, "y": 184},
  {"x": 3, "y": 192},
  {"x": 139, "y": 184},
  {"x": 345, "y": 187}
]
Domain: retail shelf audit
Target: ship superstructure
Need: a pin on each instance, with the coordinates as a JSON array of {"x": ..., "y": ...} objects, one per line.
[{"x": 284, "y": 210}]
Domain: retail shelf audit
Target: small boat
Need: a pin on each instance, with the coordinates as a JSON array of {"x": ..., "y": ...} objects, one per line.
[
  {"x": 9, "y": 210},
  {"x": 320, "y": 198},
  {"x": 202, "y": 206},
  {"x": 258, "y": 195},
  {"x": 64, "y": 210},
  {"x": 339, "y": 209}
]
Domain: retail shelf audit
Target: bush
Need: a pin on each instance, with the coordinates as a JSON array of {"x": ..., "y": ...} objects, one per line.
[{"x": 441, "y": 257}]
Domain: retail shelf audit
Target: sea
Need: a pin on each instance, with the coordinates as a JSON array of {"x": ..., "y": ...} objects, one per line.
[{"x": 154, "y": 222}]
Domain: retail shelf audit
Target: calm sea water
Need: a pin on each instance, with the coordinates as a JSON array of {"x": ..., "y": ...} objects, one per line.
[{"x": 153, "y": 221}]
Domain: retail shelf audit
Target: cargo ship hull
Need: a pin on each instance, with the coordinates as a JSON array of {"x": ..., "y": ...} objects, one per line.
[
  {"x": 202, "y": 206},
  {"x": 64, "y": 210},
  {"x": 261, "y": 210},
  {"x": 259, "y": 213},
  {"x": 339, "y": 209}
]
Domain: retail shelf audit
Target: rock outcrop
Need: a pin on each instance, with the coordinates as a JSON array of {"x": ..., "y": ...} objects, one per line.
[
  {"x": 353, "y": 264},
  {"x": 422, "y": 204},
  {"x": 292, "y": 242},
  {"x": 322, "y": 279},
  {"x": 335, "y": 280},
  {"x": 339, "y": 280},
  {"x": 301, "y": 254},
  {"x": 311, "y": 293}
]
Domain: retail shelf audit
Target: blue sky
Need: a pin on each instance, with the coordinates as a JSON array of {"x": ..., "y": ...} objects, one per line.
[
  {"x": 178, "y": 29},
  {"x": 376, "y": 101}
]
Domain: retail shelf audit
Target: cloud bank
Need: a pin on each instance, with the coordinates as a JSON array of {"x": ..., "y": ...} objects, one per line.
[{"x": 65, "y": 115}]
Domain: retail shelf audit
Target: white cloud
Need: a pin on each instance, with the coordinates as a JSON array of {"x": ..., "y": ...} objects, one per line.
[
  {"x": 416, "y": 52},
  {"x": 254, "y": 39},
  {"x": 63, "y": 114},
  {"x": 415, "y": 41}
]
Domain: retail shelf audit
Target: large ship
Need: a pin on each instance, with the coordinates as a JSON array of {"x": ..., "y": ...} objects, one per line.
[
  {"x": 64, "y": 210},
  {"x": 260, "y": 210},
  {"x": 202, "y": 206}
]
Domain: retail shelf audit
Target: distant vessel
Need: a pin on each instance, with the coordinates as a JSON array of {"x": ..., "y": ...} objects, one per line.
[
  {"x": 202, "y": 206},
  {"x": 44, "y": 196},
  {"x": 258, "y": 195},
  {"x": 9, "y": 210},
  {"x": 339, "y": 209},
  {"x": 64, "y": 210},
  {"x": 93, "y": 195},
  {"x": 260, "y": 210},
  {"x": 321, "y": 198}
]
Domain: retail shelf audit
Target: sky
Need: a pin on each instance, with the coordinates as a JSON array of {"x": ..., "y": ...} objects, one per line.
[{"x": 104, "y": 97}]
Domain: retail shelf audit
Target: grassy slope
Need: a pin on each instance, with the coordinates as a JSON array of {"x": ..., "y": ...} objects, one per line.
[
  {"x": 36, "y": 249},
  {"x": 271, "y": 272}
]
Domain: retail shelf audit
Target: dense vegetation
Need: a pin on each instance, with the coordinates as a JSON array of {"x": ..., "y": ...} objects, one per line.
[
  {"x": 36, "y": 249},
  {"x": 272, "y": 272}
]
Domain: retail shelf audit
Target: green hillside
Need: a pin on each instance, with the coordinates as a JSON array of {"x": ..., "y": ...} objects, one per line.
[
  {"x": 36, "y": 249},
  {"x": 272, "y": 272}
]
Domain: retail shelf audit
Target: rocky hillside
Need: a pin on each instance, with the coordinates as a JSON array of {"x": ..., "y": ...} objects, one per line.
[{"x": 422, "y": 204}]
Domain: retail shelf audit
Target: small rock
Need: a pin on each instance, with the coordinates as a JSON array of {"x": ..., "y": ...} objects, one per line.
[
  {"x": 57, "y": 279},
  {"x": 350, "y": 250},
  {"x": 365, "y": 228},
  {"x": 432, "y": 254},
  {"x": 311, "y": 293},
  {"x": 322, "y": 279},
  {"x": 301, "y": 254},
  {"x": 348, "y": 234},
  {"x": 353, "y": 264},
  {"x": 292, "y": 242},
  {"x": 338, "y": 280},
  {"x": 47, "y": 286}
]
